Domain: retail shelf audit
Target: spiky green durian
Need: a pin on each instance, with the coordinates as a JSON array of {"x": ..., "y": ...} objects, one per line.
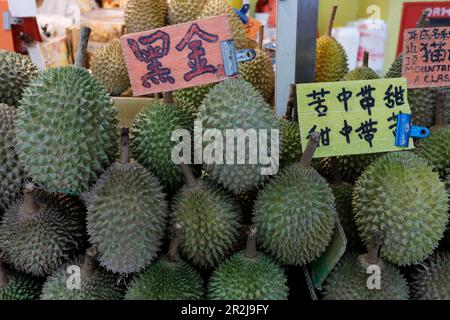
[
  {"x": 168, "y": 279},
  {"x": 348, "y": 281},
  {"x": 151, "y": 140},
  {"x": 235, "y": 104},
  {"x": 184, "y": 10},
  {"x": 145, "y": 15},
  {"x": 17, "y": 70},
  {"x": 210, "y": 222},
  {"x": 66, "y": 129},
  {"x": 248, "y": 275},
  {"x": 108, "y": 67},
  {"x": 363, "y": 72},
  {"x": 213, "y": 8},
  {"x": 126, "y": 215},
  {"x": 436, "y": 150},
  {"x": 95, "y": 283},
  {"x": 16, "y": 286},
  {"x": 259, "y": 72},
  {"x": 295, "y": 215},
  {"x": 291, "y": 147},
  {"x": 431, "y": 280},
  {"x": 348, "y": 167},
  {"x": 192, "y": 96},
  {"x": 12, "y": 174},
  {"x": 39, "y": 232},
  {"x": 400, "y": 196}
]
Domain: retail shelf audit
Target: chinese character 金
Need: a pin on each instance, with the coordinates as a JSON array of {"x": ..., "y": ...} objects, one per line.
[
  {"x": 367, "y": 131},
  {"x": 197, "y": 61},
  {"x": 393, "y": 118},
  {"x": 344, "y": 96},
  {"x": 394, "y": 97},
  {"x": 324, "y": 135},
  {"x": 318, "y": 98},
  {"x": 434, "y": 52},
  {"x": 346, "y": 130},
  {"x": 367, "y": 101},
  {"x": 151, "y": 54}
]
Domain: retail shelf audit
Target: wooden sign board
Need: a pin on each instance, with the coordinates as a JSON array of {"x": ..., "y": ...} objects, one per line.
[
  {"x": 352, "y": 117},
  {"x": 426, "y": 57},
  {"x": 252, "y": 28},
  {"x": 176, "y": 57}
]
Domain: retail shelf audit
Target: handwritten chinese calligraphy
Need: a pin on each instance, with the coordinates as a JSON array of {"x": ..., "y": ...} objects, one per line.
[
  {"x": 352, "y": 117},
  {"x": 426, "y": 57}
]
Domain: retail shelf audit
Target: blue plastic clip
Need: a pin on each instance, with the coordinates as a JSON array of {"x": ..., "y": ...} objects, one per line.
[
  {"x": 406, "y": 130},
  {"x": 243, "y": 13},
  {"x": 231, "y": 57}
]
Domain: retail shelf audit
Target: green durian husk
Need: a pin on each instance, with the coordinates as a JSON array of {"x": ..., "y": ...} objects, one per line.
[
  {"x": 20, "y": 287},
  {"x": 361, "y": 73},
  {"x": 184, "y": 10},
  {"x": 145, "y": 15},
  {"x": 331, "y": 60},
  {"x": 435, "y": 149}
]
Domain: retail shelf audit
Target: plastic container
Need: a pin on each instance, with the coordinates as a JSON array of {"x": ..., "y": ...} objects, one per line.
[{"x": 106, "y": 25}]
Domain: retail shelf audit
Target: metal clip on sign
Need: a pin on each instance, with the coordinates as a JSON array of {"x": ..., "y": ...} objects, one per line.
[
  {"x": 406, "y": 130},
  {"x": 231, "y": 57},
  {"x": 243, "y": 13}
]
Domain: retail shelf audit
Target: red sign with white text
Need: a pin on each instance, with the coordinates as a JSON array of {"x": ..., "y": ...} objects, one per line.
[{"x": 176, "y": 57}]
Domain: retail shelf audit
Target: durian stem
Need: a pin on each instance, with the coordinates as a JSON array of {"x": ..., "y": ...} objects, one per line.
[
  {"x": 30, "y": 204},
  {"x": 90, "y": 257},
  {"x": 250, "y": 251},
  {"x": 172, "y": 254},
  {"x": 168, "y": 97},
  {"x": 80, "y": 60},
  {"x": 331, "y": 21},
  {"x": 3, "y": 277},
  {"x": 305, "y": 161},
  {"x": 440, "y": 109},
  {"x": 373, "y": 248},
  {"x": 189, "y": 178},
  {"x": 366, "y": 59},
  {"x": 291, "y": 103},
  {"x": 124, "y": 145},
  {"x": 261, "y": 37}
]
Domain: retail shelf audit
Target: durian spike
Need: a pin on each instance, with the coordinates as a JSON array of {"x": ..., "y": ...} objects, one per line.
[
  {"x": 305, "y": 161},
  {"x": 172, "y": 254},
  {"x": 261, "y": 37},
  {"x": 374, "y": 247},
  {"x": 440, "y": 109},
  {"x": 189, "y": 178},
  {"x": 3, "y": 277},
  {"x": 331, "y": 21},
  {"x": 168, "y": 97},
  {"x": 124, "y": 145},
  {"x": 89, "y": 264},
  {"x": 423, "y": 20},
  {"x": 30, "y": 205},
  {"x": 291, "y": 102},
  {"x": 80, "y": 60},
  {"x": 366, "y": 59},
  {"x": 250, "y": 251}
]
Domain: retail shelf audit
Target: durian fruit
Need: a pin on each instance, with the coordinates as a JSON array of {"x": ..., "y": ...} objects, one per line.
[
  {"x": 349, "y": 280},
  {"x": 400, "y": 196},
  {"x": 348, "y": 167},
  {"x": 126, "y": 214},
  {"x": 431, "y": 279},
  {"x": 145, "y": 15},
  {"x": 12, "y": 175},
  {"x": 363, "y": 72},
  {"x": 17, "y": 70},
  {"x": 295, "y": 213},
  {"x": 235, "y": 104},
  {"x": 291, "y": 147},
  {"x": 66, "y": 129},
  {"x": 39, "y": 232},
  {"x": 331, "y": 59},
  {"x": 183, "y": 10},
  {"x": 259, "y": 72},
  {"x": 16, "y": 286},
  {"x": 151, "y": 140},
  {"x": 210, "y": 221},
  {"x": 213, "y": 8},
  {"x": 108, "y": 67},
  {"x": 168, "y": 279},
  {"x": 248, "y": 275},
  {"x": 94, "y": 283},
  {"x": 192, "y": 96},
  {"x": 435, "y": 149}
]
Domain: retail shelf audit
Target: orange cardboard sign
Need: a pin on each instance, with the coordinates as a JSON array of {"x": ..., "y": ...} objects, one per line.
[
  {"x": 176, "y": 57},
  {"x": 6, "y": 38},
  {"x": 252, "y": 28},
  {"x": 426, "y": 57}
]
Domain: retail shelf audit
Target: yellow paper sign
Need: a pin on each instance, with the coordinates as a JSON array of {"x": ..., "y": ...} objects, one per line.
[{"x": 352, "y": 117}]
